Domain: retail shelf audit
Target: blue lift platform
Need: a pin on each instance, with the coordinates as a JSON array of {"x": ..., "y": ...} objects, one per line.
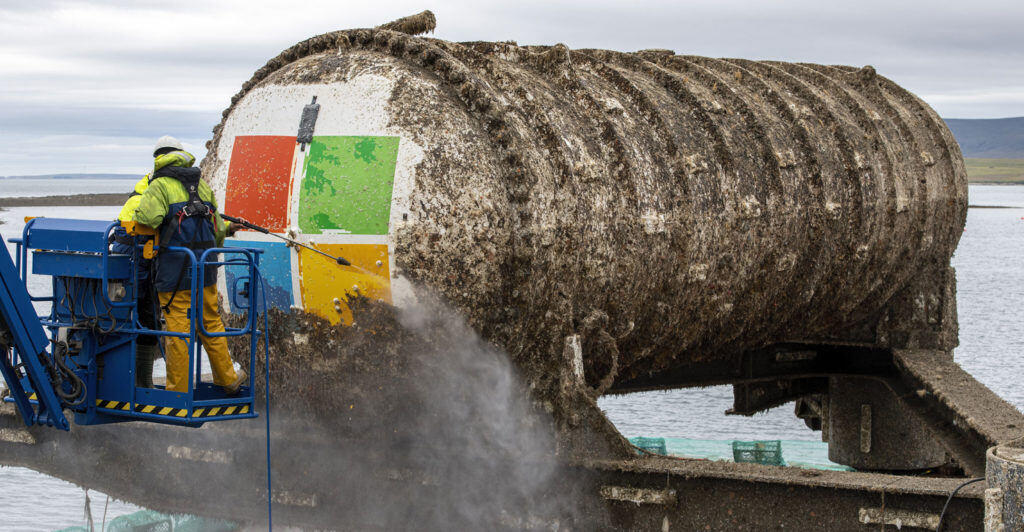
[{"x": 80, "y": 357}]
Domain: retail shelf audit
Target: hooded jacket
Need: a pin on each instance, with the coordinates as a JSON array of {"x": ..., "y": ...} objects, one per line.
[{"x": 165, "y": 205}]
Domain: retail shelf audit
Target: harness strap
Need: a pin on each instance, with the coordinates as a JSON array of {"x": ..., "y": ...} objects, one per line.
[
  {"x": 194, "y": 208},
  {"x": 181, "y": 273},
  {"x": 165, "y": 236}
]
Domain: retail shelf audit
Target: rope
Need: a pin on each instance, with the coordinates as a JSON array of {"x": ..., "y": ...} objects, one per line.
[
  {"x": 597, "y": 322},
  {"x": 613, "y": 352},
  {"x": 942, "y": 516},
  {"x": 103, "y": 527},
  {"x": 88, "y": 512}
]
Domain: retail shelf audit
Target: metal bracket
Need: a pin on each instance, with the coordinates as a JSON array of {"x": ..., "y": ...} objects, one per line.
[
  {"x": 307, "y": 123},
  {"x": 638, "y": 496},
  {"x": 898, "y": 518}
]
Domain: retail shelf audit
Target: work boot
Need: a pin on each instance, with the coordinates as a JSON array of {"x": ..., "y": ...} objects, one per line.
[
  {"x": 232, "y": 389},
  {"x": 144, "y": 357}
]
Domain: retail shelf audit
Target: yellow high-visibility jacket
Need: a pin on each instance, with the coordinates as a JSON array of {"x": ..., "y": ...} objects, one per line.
[
  {"x": 128, "y": 211},
  {"x": 174, "y": 158}
]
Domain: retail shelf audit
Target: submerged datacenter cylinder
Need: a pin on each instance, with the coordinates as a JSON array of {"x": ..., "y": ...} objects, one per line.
[{"x": 682, "y": 207}]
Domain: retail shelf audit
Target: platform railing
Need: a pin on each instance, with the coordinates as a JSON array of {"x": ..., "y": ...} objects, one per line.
[{"x": 247, "y": 258}]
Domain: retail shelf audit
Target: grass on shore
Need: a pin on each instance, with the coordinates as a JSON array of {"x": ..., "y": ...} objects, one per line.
[{"x": 1005, "y": 171}]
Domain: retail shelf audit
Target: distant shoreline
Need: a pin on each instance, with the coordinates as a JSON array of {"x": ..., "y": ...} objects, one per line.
[
  {"x": 71, "y": 176},
  {"x": 118, "y": 199},
  {"x": 994, "y": 171},
  {"x": 72, "y": 200}
]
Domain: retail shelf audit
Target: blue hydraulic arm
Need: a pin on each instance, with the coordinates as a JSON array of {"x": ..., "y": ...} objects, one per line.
[
  {"x": 21, "y": 330},
  {"x": 80, "y": 358}
]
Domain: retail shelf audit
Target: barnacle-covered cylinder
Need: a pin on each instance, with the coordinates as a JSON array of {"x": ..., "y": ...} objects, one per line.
[{"x": 668, "y": 208}]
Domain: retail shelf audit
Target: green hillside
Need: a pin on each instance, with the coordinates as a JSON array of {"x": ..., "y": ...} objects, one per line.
[
  {"x": 998, "y": 138},
  {"x": 995, "y": 170},
  {"x": 73, "y": 176}
]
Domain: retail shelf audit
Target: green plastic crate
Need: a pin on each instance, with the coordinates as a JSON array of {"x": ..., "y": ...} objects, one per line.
[
  {"x": 150, "y": 521},
  {"x": 758, "y": 452},
  {"x": 653, "y": 445}
]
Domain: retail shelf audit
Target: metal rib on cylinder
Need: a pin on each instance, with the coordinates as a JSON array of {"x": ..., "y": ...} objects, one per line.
[{"x": 704, "y": 206}]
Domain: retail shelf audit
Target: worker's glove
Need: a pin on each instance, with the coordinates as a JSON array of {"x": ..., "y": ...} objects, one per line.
[{"x": 234, "y": 228}]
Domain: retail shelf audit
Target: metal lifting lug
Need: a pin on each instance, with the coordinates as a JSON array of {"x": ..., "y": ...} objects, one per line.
[{"x": 307, "y": 123}]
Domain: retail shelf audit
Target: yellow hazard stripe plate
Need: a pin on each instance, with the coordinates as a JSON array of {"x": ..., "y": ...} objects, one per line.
[
  {"x": 112, "y": 405},
  {"x": 225, "y": 410},
  {"x": 161, "y": 410}
]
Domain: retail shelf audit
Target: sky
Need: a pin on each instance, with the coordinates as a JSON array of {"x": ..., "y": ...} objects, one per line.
[{"x": 88, "y": 86}]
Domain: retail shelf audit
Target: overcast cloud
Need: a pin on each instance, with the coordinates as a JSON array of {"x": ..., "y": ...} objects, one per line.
[{"x": 88, "y": 86}]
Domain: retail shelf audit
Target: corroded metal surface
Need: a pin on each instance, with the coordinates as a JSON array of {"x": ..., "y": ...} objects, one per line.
[
  {"x": 356, "y": 483},
  {"x": 662, "y": 209},
  {"x": 728, "y": 496},
  {"x": 1004, "y": 510}
]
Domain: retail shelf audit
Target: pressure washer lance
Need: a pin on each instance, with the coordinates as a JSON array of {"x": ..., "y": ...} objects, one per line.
[{"x": 264, "y": 230}]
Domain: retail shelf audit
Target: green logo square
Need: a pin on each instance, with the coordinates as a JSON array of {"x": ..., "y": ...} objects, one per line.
[{"x": 347, "y": 185}]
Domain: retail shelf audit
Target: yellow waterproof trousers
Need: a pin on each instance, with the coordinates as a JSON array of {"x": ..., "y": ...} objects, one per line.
[{"x": 177, "y": 348}]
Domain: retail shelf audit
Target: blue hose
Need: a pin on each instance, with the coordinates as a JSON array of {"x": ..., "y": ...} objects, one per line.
[{"x": 266, "y": 408}]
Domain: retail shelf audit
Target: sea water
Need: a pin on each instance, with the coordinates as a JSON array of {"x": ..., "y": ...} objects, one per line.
[{"x": 30, "y": 188}]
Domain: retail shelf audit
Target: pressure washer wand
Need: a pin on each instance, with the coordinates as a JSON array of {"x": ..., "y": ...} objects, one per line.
[{"x": 264, "y": 230}]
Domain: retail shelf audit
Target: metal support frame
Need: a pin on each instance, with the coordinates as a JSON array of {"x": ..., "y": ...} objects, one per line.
[
  {"x": 80, "y": 248},
  {"x": 727, "y": 496},
  {"x": 923, "y": 388}
]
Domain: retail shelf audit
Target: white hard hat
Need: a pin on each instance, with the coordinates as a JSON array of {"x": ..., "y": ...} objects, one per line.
[{"x": 167, "y": 141}]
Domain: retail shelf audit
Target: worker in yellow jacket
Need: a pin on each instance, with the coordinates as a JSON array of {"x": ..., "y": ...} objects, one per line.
[
  {"x": 146, "y": 349},
  {"x": 182, "y": 209}
]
